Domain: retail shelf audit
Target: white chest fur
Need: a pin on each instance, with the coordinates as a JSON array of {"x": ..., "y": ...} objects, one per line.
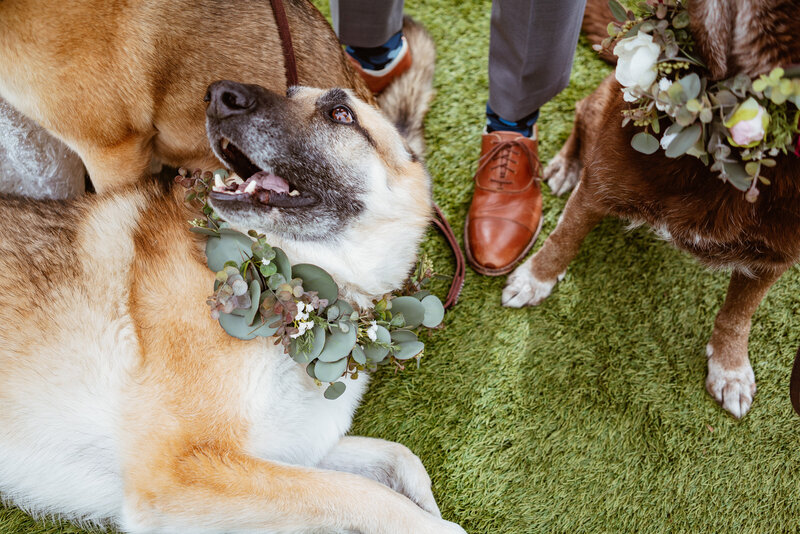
[{"x": 290, "y": 419}]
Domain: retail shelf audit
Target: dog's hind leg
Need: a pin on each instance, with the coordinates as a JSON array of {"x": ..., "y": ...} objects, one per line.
[
  {"x": 212, "y": 490},
  {"x": 730, "y": 377},
  {"x": 532, "y": 282},
  {"x": 389, "y": 463}
]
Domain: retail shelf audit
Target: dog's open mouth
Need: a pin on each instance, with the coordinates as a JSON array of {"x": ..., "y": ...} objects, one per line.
[{"x": 249, "y": 183}]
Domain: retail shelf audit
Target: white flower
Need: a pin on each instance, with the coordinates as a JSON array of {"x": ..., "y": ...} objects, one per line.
[
  {"x": 664, "y": 84},
  {"x": 302, "y": 327},
  {"x": 302, "y": 311},
  {"x": 637, "y": 61},
  {"x": 666, "y": 139},
  {"x": 372, "y": 331},
  {"x": 628, "y": 94}
]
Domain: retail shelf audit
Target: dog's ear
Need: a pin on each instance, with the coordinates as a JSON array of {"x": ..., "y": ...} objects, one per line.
[{"x": 712, "y": 29}]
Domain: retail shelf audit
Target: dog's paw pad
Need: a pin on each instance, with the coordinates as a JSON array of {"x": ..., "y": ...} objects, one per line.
[
  {"x": 562, "y": 175},
  {"x": 524, "y": 289},
  {"x": 732, "y": 388}
]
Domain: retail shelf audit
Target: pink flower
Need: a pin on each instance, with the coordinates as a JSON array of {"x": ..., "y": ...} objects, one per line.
[{"x": 747, "y": 125}]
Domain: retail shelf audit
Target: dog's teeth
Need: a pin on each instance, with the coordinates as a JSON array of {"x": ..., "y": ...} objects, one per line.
[
  {"x": 250, "y": 187},
  {"x": 294, "y": 193},
  {"x": 225, "y": 142}
]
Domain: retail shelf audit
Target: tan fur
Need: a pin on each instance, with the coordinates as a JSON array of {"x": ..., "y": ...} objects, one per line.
[
  {"x": 123, "y": 82},
  {"x": 417, "y": 81},
  {"x": 127, "y": 258}
]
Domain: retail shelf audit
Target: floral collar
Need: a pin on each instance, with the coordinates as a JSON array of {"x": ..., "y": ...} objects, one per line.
[
  {"x": 735, "y": 126},
  {"x": 258, "y": 292}
]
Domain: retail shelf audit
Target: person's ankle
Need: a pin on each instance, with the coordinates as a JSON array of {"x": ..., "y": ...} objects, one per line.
[
  {"x": 377, "y": 58},
  {"x": 523, "y": 126}
]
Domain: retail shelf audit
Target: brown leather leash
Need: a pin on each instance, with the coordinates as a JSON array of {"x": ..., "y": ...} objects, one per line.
[{"x": 290, "y": 64}]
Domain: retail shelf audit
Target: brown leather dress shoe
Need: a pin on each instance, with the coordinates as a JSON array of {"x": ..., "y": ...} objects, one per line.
[
  {"x": 505, "y": 216},
  {"x": 378, "y": 80}
]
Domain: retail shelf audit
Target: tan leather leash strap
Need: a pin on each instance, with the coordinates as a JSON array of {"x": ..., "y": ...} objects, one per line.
[
  {"x": 290, "y": 63},
  {"x": 794, "y": 384}
]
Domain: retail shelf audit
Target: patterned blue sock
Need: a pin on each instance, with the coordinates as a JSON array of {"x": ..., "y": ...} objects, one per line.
[
  {"x": 495, "y": 122},
  {"x": 380, "y": 56}
]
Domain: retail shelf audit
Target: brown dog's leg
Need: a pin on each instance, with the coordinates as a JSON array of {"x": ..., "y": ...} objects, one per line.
[
  {"x": 216, "y": 491},
  {"x": 123, "y": 163},
  {"x": 533, "y": 281},
  {"x": 730, "y": 377}
]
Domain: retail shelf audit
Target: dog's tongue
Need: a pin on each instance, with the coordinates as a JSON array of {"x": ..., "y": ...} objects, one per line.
[{"x": 270, "y": 182}]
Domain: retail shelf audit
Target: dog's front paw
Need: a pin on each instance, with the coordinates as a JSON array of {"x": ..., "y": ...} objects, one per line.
[
  {"x": 406, "y": 475},
  {"x": 524, "y": 289},
  {"x": 562, "y": 174},
  {"x": 732, "y": 388}
]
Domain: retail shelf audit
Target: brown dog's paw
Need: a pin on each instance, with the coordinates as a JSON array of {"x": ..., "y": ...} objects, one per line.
[
  {"x": 732, "y": 388},
  {"x": 562, "y": 174},
  {"x": 524, "y": 289}
]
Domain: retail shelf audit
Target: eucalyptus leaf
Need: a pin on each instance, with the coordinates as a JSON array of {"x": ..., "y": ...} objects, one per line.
[
  {"x": 408, "y": 350},
  {"x": 737, "y": 176},
  {"x": 645, "y": 143},
  {"x": 316, "y": 347},
  {"x": 375, "y": 352},
  {"x": 310, "y": 369},
  {"x": 338, "y": 344},
  {"x": 691, "y": 85},
  {"x": 262, "y": 327},
  {"x": 403, "y": 336},
  {"x": 619, "y": 12},
  {"x": 434, "y": 311},
  {"x": 233, "y": 246},
  {"x": 419, "y": 295},
  {"x": 335, "y": 390},
  {"x": 236, "y": 326},
  {"x": 359, "y": 355},
  {"x": 330, "y": 371},
  {"x": 345, "y": 309},
  {"x": 281, "y": 261},
  {"x": 317, "y": 279},
  {"x": 412, "y": 310},
  {"x": 255, "y": 299},
  {"x": 332, "y": 313},
  {"x": 203, "y": 231},
  {"x": 685, "y": 140}
]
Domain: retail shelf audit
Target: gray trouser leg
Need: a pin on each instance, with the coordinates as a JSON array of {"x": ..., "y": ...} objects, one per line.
[
  {"x": 366, "y": 23},
  {"x": 531, "y": 46}
]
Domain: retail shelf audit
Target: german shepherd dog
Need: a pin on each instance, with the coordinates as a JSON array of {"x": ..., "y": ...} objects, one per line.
[
  {"x": 124, "y": 403},
  {"x": 681, "y": 198}
]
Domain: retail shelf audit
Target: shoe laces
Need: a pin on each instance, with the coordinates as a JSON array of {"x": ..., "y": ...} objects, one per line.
[{"x": 501, "y": 154}]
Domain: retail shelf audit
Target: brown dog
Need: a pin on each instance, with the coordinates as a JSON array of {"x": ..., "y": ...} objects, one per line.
[
  {"x": 680, "y": 198},
  {"x": 122, "y": 83}
]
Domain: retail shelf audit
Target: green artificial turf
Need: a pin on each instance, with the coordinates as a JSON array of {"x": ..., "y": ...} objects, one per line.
[{"x": 587, "y": 413}]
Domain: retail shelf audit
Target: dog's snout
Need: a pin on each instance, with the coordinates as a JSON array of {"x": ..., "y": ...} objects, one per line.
[{"x": 226, "y": 98}]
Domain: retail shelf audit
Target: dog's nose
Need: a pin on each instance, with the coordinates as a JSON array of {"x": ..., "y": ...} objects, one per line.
[{"x": 226, "y": 98}]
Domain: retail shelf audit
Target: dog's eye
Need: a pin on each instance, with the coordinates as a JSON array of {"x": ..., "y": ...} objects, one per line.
[{"x": 342, "y": 114}]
